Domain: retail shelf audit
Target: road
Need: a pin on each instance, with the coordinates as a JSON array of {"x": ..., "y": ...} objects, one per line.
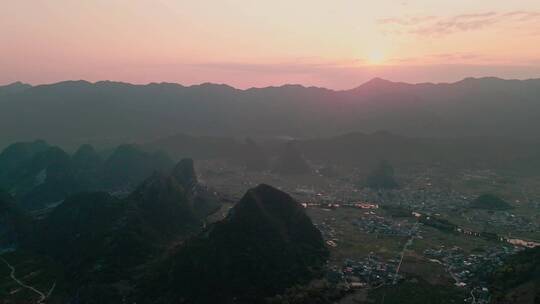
[
  {"x": 42, "y": 296},
  {"x": 407, "y": 244},
  {"x": 473, "y": 297}
]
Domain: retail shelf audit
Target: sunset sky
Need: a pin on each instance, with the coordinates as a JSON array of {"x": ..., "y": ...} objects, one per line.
[{"x": 337, "y": 44}]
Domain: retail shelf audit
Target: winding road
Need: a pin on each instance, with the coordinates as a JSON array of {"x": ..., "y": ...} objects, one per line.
[{"x": 42, "y": 296}]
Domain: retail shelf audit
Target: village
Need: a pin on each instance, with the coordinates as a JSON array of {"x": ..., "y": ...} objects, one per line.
[{"x": 371, "y": 232}]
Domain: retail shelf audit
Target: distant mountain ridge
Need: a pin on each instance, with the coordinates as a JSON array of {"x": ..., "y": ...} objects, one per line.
[
  {"x": 38, "y": 174},
  {"x": 76, "y": 112},
  {"x": 14, "y": 88}
]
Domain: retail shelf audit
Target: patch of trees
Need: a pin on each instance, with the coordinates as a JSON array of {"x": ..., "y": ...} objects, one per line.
[{"x": 490, "y": 202}]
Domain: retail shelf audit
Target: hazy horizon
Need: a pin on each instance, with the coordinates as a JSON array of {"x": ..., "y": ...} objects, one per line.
[
  {"x": 333, "y": 45},
  {"x": 272, "y": 86}
]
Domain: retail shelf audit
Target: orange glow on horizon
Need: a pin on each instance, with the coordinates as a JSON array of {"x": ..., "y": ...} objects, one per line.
[{"x": 261, "y": 43}]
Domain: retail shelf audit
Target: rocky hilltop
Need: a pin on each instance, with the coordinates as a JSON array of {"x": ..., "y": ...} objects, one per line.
[{"x": 266, "y": 244}]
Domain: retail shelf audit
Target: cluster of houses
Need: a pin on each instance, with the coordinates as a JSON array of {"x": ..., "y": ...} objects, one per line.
[
  {"x": 335, "y": 205},
  {"x": 370, "y": 272},
  {"x": 507, "y": 220},
  {"x": 468, "y": 269}
]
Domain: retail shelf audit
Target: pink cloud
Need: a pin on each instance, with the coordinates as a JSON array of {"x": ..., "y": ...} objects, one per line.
[
  {"x": 440, "y": 26},
  {"x": 436, "y": 58}
]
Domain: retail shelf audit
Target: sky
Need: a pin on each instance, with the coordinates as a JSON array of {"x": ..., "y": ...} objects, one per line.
[{"x": 336, "y": 44}]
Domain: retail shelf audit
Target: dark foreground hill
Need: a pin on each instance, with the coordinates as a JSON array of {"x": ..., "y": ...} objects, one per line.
[
  {"x": 151, "y": 247},
  {"x": 104, "y": 242},
  {"x": 518, "y": 279},
  {"x": 266, "y": 244},
  {"x": 76, "y": 112}
]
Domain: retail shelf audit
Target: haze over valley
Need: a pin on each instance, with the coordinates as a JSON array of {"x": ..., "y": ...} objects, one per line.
[{"x": 485, "y": 107}]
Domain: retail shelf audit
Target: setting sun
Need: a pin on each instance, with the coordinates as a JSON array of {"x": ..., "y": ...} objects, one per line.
[
  {"x": 375, "y": 57},
  {"x": 264, "y": 43}
]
